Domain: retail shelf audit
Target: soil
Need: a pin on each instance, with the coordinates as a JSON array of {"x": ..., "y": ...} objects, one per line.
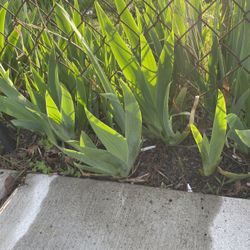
[
  {"x": 179, "y": 168},
  {"x": 176, "y": 167}
]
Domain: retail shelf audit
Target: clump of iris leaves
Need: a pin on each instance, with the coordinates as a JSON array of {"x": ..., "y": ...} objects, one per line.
[{"x": 95, "y": 87}]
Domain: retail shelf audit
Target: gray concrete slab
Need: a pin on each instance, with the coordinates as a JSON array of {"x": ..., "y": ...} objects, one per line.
[
  {"x": 4, "y": 173},
  {"x": 67, "y": 213}
]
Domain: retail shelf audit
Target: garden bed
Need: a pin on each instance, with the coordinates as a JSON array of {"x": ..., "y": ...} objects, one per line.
[{"x": 176, "y": 167}]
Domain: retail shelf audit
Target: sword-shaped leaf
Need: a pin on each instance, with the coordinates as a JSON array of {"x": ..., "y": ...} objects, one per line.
[
  {"x": 3, "y": 12},
  {"x": 115, "y": 143},
  {"x": 244, "y": 136},
  {"x": 67, "y": 110},
  {"x": 133, "y": 126}
]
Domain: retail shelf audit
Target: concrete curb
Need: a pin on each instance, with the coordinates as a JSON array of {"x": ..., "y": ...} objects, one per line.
[{"x": 69, "y": 213}]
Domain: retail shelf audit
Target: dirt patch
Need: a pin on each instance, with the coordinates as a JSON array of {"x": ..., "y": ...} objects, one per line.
[
  {"x": 31, "y": 150},
  {"x": 179, "y": 168}
]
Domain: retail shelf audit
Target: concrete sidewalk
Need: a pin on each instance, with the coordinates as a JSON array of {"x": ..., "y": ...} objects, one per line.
[{"x": 69, "y": 213}]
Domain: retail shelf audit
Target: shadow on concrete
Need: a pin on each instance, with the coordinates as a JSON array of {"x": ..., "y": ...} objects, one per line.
[{"x": 88, "y": 214}]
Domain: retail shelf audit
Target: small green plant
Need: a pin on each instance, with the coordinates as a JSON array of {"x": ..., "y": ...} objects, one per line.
[
  {"x": 211, "y": 151},
  {"x": 120, "y": 153},
  {"x": 233, "y": 177},
  {"x": 70, "y": 171},
  {"x": 40, "y": 166},
  {"x": 236, "y": 133},
  {"x": 240, "y": 137}
]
